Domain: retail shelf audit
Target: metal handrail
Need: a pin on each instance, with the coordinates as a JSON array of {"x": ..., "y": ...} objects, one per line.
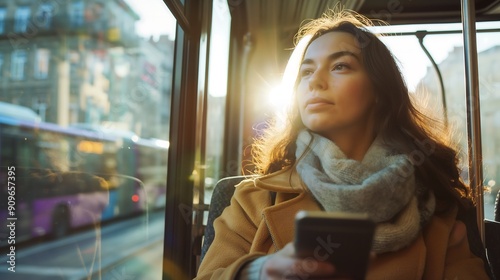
[
  {"x": 473, "y": 109},
  {"x": 420, "y": 35}
]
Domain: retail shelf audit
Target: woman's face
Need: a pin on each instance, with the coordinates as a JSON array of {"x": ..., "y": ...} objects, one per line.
[{"x": 334, "y": 92}]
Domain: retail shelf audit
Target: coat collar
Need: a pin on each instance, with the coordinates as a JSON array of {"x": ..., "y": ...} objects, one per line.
[
  {"x": 291, "y": 198},
  {"x": 286, "y": 181}
]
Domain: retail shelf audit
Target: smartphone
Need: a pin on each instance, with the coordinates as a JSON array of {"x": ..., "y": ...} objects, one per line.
[{"x": 344, "y": 239}]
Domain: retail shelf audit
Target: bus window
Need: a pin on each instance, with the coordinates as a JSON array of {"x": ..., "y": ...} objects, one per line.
[
  {"x": 85, "y": 90},
  {"x": 213, "y": 83},
  {"x": 218, "y": 64},
  {"x": 447, "y": 50}
]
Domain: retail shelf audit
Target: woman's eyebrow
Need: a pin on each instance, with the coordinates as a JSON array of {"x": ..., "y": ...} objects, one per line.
[{"x": 332, "y": 56}]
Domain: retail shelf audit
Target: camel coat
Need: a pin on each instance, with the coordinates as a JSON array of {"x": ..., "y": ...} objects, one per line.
[{"x": 252, "y": 227}]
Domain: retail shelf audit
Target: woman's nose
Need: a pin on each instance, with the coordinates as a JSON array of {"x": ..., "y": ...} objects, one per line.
[{"x": 318, "y": 80}]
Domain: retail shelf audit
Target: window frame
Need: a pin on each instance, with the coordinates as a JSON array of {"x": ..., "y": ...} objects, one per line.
[{"x": 183, "y": 171}]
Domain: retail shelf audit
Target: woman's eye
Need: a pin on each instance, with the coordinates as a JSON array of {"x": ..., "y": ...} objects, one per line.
[
  {"x": 340, "y": 67},
  {"x": 305, "y": 72}
]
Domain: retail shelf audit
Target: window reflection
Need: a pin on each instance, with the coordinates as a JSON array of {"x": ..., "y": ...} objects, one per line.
[{"x": 84, "y": 120}]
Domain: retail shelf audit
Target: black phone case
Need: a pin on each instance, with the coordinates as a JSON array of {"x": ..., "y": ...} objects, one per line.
[{"x": 344, "y": 239}]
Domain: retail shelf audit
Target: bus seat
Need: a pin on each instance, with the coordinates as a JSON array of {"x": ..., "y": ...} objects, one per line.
[
  {"x": 476, "y": 245},
  {"x": 492, "y": 239},
  {"x": 221, "y": 198}
]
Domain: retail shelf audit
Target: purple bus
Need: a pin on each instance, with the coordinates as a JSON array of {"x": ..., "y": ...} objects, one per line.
[{"x": 67, "y": 178}]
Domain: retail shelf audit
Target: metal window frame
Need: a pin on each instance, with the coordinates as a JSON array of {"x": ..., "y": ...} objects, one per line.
[{"x": 188, "y": 115}]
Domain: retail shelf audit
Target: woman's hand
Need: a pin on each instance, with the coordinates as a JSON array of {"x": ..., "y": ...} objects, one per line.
[{"x": 284, "y": 264}]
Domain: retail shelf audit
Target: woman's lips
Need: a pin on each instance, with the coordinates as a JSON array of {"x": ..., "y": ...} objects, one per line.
[{"x": 317, "y": 103}]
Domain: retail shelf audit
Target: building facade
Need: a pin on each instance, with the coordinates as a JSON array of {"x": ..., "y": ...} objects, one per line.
[
  {"x": 489, "y": 91},
  {"x": 81, "y": 61}
]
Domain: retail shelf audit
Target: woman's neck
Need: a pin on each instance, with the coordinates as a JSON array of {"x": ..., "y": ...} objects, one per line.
[{"x": 354, "y": 144}]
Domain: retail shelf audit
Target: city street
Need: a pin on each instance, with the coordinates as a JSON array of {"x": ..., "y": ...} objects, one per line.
[{"x": 130, "y": 249}]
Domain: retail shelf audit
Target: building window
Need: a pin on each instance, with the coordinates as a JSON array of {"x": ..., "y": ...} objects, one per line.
[
  {"x": 21, "y": 19},
  {"x": 18, "y": 65},
  {"x": 3, "y": 12},
  {"x": 44, "y": 15},
  {"x": 1, "y": 65},
  {"x": 42, "y": 58},
  {"x": 76, "y": 13}
]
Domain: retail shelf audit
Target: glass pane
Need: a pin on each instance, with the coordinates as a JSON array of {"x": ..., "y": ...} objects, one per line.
[
  {"x": 85, "y": 90},
  {"x": 3, "y": 12},
  {"x": 489, "y": 88},
  {"x": 21, "y": 18},
  {"x": 447, "y": 51},
  {"x": 217, "y": 90}
]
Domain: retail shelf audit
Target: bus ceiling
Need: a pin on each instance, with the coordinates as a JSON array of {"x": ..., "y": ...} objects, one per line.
[
  {"x": 276, "y": 21},
  {"x": 288, "y": 13}
]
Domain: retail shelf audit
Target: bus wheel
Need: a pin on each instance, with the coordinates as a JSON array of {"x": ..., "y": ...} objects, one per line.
[{"x": 60, "y": 222}]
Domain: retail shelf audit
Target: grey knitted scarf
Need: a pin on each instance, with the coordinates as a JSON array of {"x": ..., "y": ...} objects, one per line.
[{"x": 382, "y": 185}]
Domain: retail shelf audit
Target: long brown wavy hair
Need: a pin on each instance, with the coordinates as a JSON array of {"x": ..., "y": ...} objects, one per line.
[{"x": 400, "y": 124}]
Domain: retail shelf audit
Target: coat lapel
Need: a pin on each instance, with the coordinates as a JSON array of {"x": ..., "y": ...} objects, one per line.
[{"x": 291, "y": 198}]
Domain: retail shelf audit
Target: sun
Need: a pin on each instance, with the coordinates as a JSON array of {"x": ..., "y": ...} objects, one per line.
[{"x": 280, "y": 96}]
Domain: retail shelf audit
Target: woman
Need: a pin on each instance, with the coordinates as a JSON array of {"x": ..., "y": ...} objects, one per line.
[{"x": 354, "y": 143}]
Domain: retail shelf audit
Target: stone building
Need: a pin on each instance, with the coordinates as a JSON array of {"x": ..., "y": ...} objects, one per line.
[
  {"x": 452, "y": 69},
  {"x": 81, "y": 61}
]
